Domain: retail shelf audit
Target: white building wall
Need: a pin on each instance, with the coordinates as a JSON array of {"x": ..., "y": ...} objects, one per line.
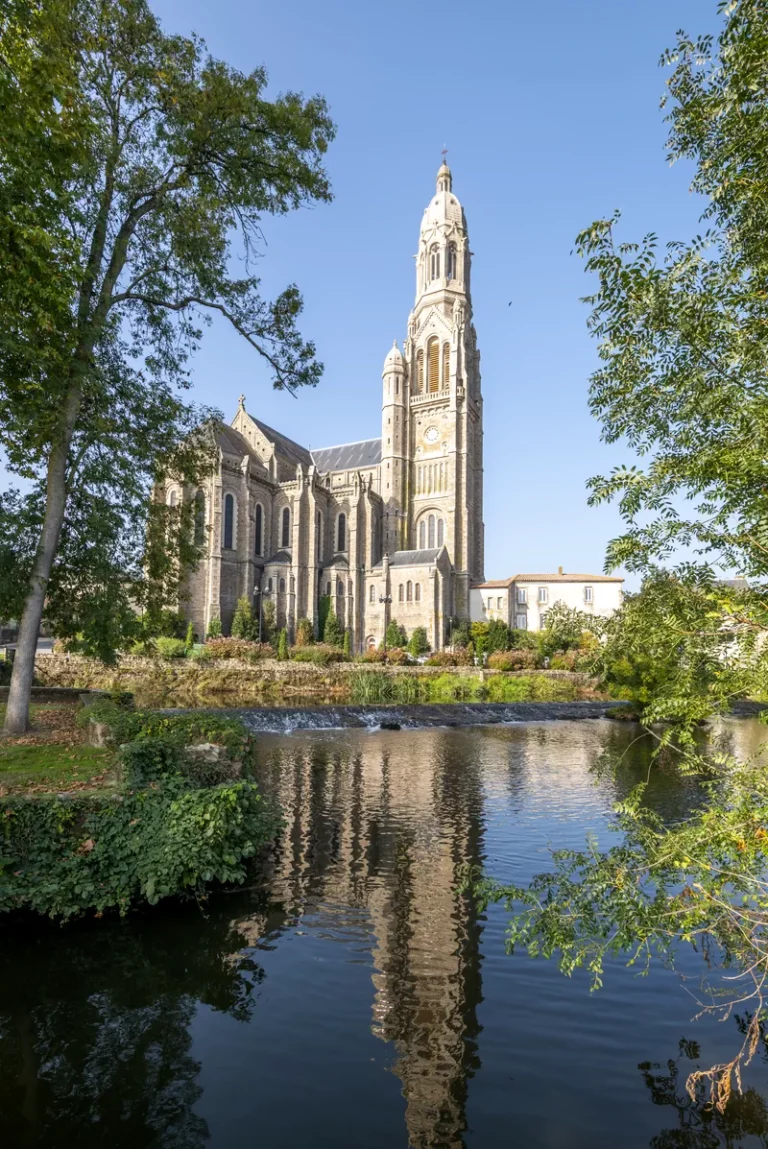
[{"x": 491, "y": 602}]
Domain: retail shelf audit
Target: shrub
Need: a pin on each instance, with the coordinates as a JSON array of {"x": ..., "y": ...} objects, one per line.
[
  {"x": 498, "y": 636},
  {"x": 398, "y": 656},
  {"x": 242, "y": 623},
  {"x": 373, "y": 656},
  {"x": 268, "y": 616},
  {"x": 347, "y": 646},
  {"x": 419, "y": 643},
  {"x": 282, "y": 645},
  {"x": 442, "y": 658},
  {"x": 230, "y": 648},
  {"x": 522, "y": 640},
  {"x": 458, "y": 632},
  {"x": 260, "y": 650},
  {"x": 199, "y": 653},
  {"x": 333, "y": 635},
  {"x": 214, "y": 628},
  {"x": 189, "y": 641},
  {"x": 171, "y": 647},
  {"x": 395, "y": 634},
  {"x": 64, "y": 856},
  {"x": 320, "y": 654},
  {"x": 304, "y": 633},
  {"x": 513, "y": 660}
]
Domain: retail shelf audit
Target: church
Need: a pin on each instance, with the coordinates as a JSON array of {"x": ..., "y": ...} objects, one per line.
[{"x": 388, "y": 527}]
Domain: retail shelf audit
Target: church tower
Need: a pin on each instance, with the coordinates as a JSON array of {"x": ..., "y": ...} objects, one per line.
[{"x": 442, "y": 408}]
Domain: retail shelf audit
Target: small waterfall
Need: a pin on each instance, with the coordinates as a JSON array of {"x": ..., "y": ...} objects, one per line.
[{"x": 287, "y": 720}]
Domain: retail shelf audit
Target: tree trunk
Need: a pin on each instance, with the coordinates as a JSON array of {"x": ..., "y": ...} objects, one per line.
[{"x": 17, "y": 713}]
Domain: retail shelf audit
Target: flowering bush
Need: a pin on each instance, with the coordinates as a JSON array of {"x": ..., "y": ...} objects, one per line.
[
  {"x": 230, "y": 648},
  {"x": 397, "y": 656},
  {"x": 373, "y": 655}
]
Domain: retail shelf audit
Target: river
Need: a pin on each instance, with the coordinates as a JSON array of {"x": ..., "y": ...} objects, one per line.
[{"x": 355, "y": 999}]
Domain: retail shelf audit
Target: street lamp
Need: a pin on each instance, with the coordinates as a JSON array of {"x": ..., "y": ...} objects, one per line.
[
  {"x": 262, "y": 594},
  {"x": 385, "y": 599}
]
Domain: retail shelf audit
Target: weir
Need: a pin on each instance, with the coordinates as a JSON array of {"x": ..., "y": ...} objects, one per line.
[{"x": 286, "y": 720}]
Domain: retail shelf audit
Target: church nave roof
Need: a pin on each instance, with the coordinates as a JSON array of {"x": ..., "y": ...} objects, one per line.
[{"x": 348, "y": 456}]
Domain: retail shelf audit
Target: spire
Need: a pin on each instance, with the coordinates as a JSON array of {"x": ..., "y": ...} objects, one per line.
[{"x": 444, "y": 175}]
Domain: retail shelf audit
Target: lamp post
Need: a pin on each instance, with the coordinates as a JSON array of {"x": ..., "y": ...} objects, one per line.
[
  {"x": 262, "y": 594},
  {"x": 385, "y": 599}
]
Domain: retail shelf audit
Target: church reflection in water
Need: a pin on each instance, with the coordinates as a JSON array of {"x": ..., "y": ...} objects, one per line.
[{"x": 391, "y": 834}]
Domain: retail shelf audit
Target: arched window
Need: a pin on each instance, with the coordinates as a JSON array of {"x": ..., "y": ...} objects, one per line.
[
  {"x": 258, "y": 529},
  {"x": 285, "y": 540},
  {"x": 319, "y": 536},
  {"x": 417, "y": 589},
  {"x": 451, "y": 262},
  {"x": 293, "y": 585},
  {"x": 269, "y": 586},
  {"x": 433, "y": 356},
  {"x": 339, "y": 587},
  {"x": 328, "y": 589},
  {"x": 409, "y": 591},
  {"x": 446, "y": 365},
  {"x": 372, "y": 594},
  {"x": 229, "y": 522},
  {"x": 422, "y": 535},
  {"x": 172, "y": 498},
  {"x": 401, "y": 593},
  {"x": 282, "y": 586},
  {"x": 431, "y": 532},
  {"x": 420, "y": 372},
  {"x": 199, "y": 519},
  {"x": 434, "y": 262},
  {"x": 349, "y": 588},
  {"x": 440, "y": 532},
  {"x": 341, "y": 532}
]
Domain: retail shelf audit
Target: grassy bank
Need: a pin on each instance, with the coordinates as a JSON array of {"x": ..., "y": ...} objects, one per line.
[
  {"x": 53, "y": 754},
  {"x": 375, "y": 687}
]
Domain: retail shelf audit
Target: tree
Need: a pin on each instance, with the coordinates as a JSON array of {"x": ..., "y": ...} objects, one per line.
[
  {"x": 347, "y": 646},
  {"x": 242, "y": 623},
  {"x": 268, "y": 617},
  {"x": 334, "y": 631},
  {"x": 498, "y": 635},
  {"x": 566, "y": 628},
  {"x": 395, "y": 634},
  {"x": 131, "y": 163},
  {"x": 282, "y": 645},
  {"x": 304, "y": 634},
  {"x": 189, "y": 641},
  {"x": 684, "y": 379},
  {"x": 214, "y": 628},
  {"x": 419, "y": 643}
]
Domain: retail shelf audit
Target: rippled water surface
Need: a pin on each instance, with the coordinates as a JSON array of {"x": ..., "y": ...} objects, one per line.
[{"x": 360, "y": 1001}]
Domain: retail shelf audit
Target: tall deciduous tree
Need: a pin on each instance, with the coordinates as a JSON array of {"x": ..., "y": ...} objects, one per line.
[
  {"x": 131, "y": 162},
  {"x": 683, "y": 343}
]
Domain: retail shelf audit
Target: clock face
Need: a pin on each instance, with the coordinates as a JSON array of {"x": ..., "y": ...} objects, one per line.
[{"x": 431, "y": 435}]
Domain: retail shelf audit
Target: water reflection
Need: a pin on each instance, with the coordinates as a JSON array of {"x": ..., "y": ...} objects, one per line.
[
  {"x": 699, "y": 1125},
  {"x": 390, "y": 833},
  {"x": 354, "y": 999},
  {"x": 94, "y": 1028}
]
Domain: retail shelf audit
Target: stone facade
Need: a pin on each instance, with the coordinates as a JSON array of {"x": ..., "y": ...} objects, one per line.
[
  {"x": 522, "y": 601},
  {"x": 397, "y": 518}
]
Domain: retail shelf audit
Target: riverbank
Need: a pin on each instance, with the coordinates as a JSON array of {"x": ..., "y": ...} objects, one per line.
[
  {"x": 163, "y": 806},
  {"x": 185, "y": 682}
]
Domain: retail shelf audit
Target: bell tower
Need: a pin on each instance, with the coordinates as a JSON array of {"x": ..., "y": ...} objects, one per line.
[{"x": 443, "y": 408}]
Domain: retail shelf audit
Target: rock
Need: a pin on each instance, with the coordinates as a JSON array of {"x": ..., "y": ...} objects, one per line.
[
  {"x": 98, "y": 733},
  {"x": 207, "y": 752},
  {"x": 390, "y": 726}
]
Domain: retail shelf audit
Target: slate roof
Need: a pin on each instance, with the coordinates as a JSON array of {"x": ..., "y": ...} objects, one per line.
[
  {"x": 348, "y": 456},
  {"x": 231, "y": 440},
  {"x": 412, "y": 558},
  {"x": 286, "y": 447},
  {"x": 280, "y": 557}
]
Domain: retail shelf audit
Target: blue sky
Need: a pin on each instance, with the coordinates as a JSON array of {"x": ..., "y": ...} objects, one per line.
[{"x": 550, "y": 112}]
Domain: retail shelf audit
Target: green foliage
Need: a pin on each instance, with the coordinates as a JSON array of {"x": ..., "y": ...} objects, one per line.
[
  {"x": 179, "y": 730},
  {"x": 566, "y": 629},
  {"x": 171, "y": 647},
  {"x": 304, "y": 633},
  {"x": 513, "y": 660},
  {"x": 63, "y": 856},
  {"x": 418, "y": 643},
  {"x": 282, "y": 645},
  {"x": 222, "y": 648},
  {"x": 459, "y": 632},
  {"x": 189, "y": 640},
  {"x": 318, "y": 653},
  {"x": 522, "y": 640},
  {"x": 214, "y": 628},
  {"x": 242, "y": 623},
  {"x": 268, "y": 616},
  {"x": 395, "y": 634},
  {"x": 333, "y": 634},
  {"x": 346, "y": 646},
  {"x": 371, "y": 687},
  {"x": 323, "y": 610},
  {"x": 479, "y": 635},
  {"x": 498, "y": 637}
]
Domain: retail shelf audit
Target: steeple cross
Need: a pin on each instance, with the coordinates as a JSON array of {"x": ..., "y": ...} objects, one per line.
[{"x": 444, "y": 153}]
